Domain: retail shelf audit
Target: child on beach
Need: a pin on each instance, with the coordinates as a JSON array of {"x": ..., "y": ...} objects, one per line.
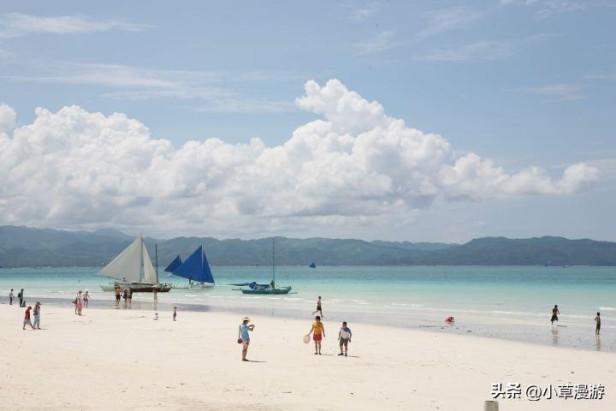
[
  {"x": 175, "y": 313},
  {"x": 555, "y": 314},
  {"x": 243, "y": 336},
  {"x": 318, "y": 333},
  {"x": 344, "y": 336},
  {"x": 319, "y": 308},
  {"x": 37, "y": 316},
  {"x": 27, "y": 318},
  {"x": 11, "y": 295},
  {"x": 598, "y": 322}
]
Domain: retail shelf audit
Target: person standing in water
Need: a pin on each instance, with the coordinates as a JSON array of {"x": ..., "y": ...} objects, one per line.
[
  {"x": 555, "y": 314},
  {"x": 37, "y": 316},
  {"x": 86, "y": 298},
  {"x": 318, "y": 333},
  {"x": 11, "y": 295},
  {"x": 319, "y": 308},
  {"x": 243, "y": 336},
  {"x": 27, "y": 320},
  {"x": 598, "y": 323}
]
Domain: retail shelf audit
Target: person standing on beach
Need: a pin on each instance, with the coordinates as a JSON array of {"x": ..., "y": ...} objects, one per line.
[
  {"x": 20, "y": 295},
  {"x": 11, "y": 295},
  {"x": 37, "y": 316},
  {"x": 130, "y": 297},
  {"x": 27, "y": 320},
  {"x": 175, "y": 313},
  {"x": 344, "y": 336},
  {"x": 79, "y": 305},
  {"x": 555, "y": 314},
  {"x": 598, "y": 323},
  {"x": 86, "y": 298},
  {"x": 319, "y": 308},
  {"x": 318, "y": 333},
  {"x": 243, "y": 336},
  {"x": 125, "y": 297}
]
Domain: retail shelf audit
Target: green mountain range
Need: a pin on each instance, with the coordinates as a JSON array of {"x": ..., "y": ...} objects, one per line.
[{"x": 32, "y": 247}]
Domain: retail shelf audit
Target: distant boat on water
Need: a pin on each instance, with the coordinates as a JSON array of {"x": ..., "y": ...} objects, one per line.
[
  {"x": 254, "y": 288},
  {"x": 312, "y": 265},
  {"x": 196, "y": 269},
  {"x": 133, "y": 269}
]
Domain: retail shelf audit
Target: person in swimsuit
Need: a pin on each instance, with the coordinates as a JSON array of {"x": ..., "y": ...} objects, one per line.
[
  {"x": 86, "y": 298},
  {"x": 555, "y": 314},
  {"x": 598, "y": 322},
  {"x": 318, "y": 333},
  {"x": 319, "y": 308},
  {"x": 344, "y": 336}
]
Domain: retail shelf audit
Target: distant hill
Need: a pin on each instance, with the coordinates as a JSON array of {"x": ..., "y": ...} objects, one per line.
[{"x": 23, "y": 246}]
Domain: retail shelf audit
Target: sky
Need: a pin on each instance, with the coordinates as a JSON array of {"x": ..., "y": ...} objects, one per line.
[{"x": 391, "y": 120}]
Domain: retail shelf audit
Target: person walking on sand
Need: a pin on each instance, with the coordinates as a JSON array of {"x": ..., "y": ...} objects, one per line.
[
  {"x": 344, "y": 336},
  {"x": 598, "y": 323},
  {"x": 79, "y": 305},
  {"x": 243, "y": 336},
  {"x": 319, "y": 308},
  {"x": 175, "y": 313},
  {"x": 27, "y": 320},
  {"x": 37, "y": 316},
  {"x": 86, "y": 299},
  {"x": 11, "y": 296},
  {"x": 555, "y": 314},
  {"x": 318, "y": 333}
]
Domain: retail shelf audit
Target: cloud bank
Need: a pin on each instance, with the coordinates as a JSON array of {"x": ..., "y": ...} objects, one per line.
[{"x": 352, "y": 165}]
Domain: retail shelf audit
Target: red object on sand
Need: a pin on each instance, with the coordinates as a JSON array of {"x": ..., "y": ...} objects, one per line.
[{"x": 450, "y": 320}]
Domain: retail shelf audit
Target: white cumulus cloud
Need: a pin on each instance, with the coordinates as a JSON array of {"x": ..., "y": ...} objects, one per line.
[{"x": 353, "y": 165}]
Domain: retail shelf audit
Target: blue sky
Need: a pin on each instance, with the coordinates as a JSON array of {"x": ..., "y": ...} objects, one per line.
[{"x": 523, "y": 83}]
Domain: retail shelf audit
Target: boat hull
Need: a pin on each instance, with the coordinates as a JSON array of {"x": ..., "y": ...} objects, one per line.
[
  {"x": 267, "y": 291},
  {"x": 195, "y": 286},
  {"x": 138, "y": 287}
]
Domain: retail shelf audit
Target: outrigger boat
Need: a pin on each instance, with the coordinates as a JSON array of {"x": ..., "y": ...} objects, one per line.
[
  {"x": 266, "y": 289},
  {"x": 196, "y": 269},
  {"x": 133, "y": 269}
]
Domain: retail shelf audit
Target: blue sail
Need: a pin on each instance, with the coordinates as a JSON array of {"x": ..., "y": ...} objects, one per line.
[
  {"x": 196, "y": 268},
  {"x": 177, "y": 261}
]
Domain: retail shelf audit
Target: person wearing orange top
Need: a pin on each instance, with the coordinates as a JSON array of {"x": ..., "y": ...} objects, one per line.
[{"x": 318, "y": 333}]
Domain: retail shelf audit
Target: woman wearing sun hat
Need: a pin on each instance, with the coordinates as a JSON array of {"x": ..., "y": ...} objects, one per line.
[{"x": 243, "y": 336}]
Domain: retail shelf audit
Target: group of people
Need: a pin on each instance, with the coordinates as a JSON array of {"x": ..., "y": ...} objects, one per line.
[
  {"x": 317, "y": 331},
  {"x": 81, "y": 301},
  {"x": 20, "y": 297},
  {"x": 127, "y": 294},
  {"x": 556, "y": 313}
]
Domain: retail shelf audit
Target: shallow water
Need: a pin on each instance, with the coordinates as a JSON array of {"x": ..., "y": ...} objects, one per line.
[{"x": 503, "y": 302}]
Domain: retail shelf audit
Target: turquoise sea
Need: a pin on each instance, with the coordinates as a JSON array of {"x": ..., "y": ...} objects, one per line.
[{"x": 503, "y": 302}]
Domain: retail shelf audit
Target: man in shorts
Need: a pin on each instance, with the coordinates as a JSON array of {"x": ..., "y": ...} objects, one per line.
[{"x": 344, "y": 336}]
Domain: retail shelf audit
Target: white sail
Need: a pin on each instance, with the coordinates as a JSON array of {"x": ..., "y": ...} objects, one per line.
[
  {"x": 127, "y": 265},
  {"x": 149, "y": 274}
]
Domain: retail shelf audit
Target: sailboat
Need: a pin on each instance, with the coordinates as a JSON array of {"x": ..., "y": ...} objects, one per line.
[
  {"x": 133, "y": 269},
  {"x": 196, "y": 269},
  {"x": 254, "y": 288}
]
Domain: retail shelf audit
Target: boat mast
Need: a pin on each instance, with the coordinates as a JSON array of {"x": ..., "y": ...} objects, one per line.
[
  {"x": 141, "y": 259},
  {"x": 156, "y": 258}
]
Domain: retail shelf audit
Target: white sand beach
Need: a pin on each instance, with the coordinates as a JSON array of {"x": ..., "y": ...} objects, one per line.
[{"x": 123, "y": 359}]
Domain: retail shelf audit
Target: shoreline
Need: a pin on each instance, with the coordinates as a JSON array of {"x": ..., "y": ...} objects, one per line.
[
  {"x": 605, "y": 343},
  {"x": 127, "y": 360}
]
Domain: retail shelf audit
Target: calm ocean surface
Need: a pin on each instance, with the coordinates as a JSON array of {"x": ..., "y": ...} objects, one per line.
[{"x": 503, "y": 302}]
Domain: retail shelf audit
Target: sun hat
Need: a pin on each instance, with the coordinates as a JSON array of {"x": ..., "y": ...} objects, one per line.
[{"x": 246, "y": 319}]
